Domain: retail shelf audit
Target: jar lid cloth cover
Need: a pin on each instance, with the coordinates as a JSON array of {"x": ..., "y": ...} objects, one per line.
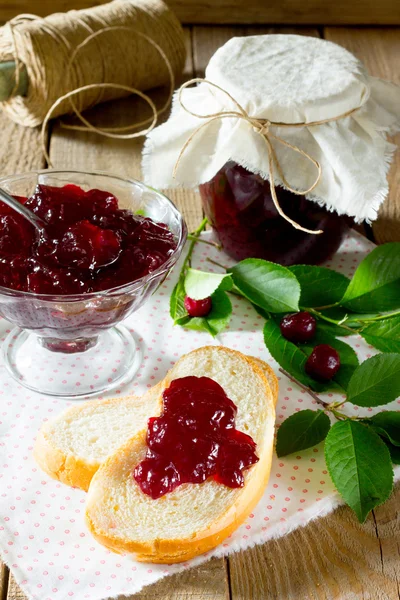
[{"x": 286, "y": 79}]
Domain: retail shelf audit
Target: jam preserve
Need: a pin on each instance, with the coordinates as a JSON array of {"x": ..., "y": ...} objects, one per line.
[
  {"x": 89, "y": 243},
  {"x": 193, "y": 439},
  {"x": 239, "y": 206}
]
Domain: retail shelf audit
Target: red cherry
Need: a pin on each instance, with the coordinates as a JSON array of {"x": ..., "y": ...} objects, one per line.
[
  {"x": 87, "y": 246},
  {"x": 16, "y": 235},
  {"x": 198, "y": 308},
  {"x": 323, "y": 363},
  {"x": 299, "y": 327}
]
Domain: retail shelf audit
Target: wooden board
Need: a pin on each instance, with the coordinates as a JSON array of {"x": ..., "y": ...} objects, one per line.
[
  {"x": 332, "y": 558},
  {"x": 379, "y": 50},
  {"x": 356, "y": 12}
]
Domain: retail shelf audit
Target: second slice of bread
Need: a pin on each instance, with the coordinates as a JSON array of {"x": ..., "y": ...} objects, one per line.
[{"x": 193, "y": 518}]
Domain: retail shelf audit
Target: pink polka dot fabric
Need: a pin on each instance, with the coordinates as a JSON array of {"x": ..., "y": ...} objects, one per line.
[{"x": 43, "y": 538}]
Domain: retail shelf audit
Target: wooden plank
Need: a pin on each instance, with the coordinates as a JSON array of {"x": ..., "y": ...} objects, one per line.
[
  {"x": 334, "y": 557},
  {"x": 357, "y": 12},
  {"x": 387, "y": 523},
  {"x": 206, "y": 582},
  {"x": 4, "y": 574},
  {"x": 14, "y": 591},
  {"x": 20, "y": 148},
  {"x": 206, "y": 40},
  {"x": 379, "y": 49}
]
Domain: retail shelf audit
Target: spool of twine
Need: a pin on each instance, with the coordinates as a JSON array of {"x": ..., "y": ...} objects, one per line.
[{"x": 127, "y": 44}]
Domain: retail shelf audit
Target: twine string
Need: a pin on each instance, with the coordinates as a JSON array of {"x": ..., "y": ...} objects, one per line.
[
  {"x": 74, "y": 68},
  {"x": 262, "y": 127}
]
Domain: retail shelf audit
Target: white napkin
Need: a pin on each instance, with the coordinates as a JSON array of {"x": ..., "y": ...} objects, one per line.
[
  {"x": 285, "y": 78},
  {"x": 43, "y": 538}
]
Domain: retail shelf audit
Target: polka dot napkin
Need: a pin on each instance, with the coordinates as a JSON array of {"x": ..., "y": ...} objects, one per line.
[{"x": 42, "y": 534}]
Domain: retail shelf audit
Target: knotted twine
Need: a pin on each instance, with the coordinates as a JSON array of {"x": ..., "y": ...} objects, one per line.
[
  {"x": 263, "y": 128},
  {"x": 80, "y": 58}
]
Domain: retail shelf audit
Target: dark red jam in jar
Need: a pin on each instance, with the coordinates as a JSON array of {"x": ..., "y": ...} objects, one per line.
[
  {"x": 193, "y": 439},
  {"x": 89, "y": 243},
  {"x": 239, "y": 206}
]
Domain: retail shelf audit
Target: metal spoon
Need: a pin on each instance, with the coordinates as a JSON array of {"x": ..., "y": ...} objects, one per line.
[{"x": 36, "y": 221}]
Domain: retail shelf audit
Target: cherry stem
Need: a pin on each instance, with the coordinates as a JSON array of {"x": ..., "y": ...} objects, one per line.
[
  {"x": 191, "y": 236},
  {"x": 306, "y": 389},
  {"x": 329, "y": 320},
  {"x": 214, "y": 262},
  {"x": 379, "y": 318},
  {"x": 327, "y": 306},
  {"x": 194, "y": 239},
  {"x": 329, "y": 406}
]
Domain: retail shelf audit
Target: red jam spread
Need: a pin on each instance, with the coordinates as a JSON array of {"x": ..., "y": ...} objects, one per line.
[
  {"x": 239, "y": 206},
  {"x": 193, "y": 439},
  {"x": 89, "y": 243}
]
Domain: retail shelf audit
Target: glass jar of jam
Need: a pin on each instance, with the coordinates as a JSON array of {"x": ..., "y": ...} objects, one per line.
[{"x": 240, "y": 208}]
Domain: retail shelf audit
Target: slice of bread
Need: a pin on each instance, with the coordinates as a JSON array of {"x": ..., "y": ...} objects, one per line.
[
  {"x": 72, "y": 446},
  {"x": 194, "y": 517}
]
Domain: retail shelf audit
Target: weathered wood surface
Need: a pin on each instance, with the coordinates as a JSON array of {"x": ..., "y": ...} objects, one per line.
[
  {"x": 340, "y": 12},
  {"x": 379, "y": 50},
  {"x": 333, "y": 558}
]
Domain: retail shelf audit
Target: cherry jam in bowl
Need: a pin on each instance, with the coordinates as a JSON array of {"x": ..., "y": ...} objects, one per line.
[
  {"x": 240, "y": 208},
  {"x": 108, "y": 243}
]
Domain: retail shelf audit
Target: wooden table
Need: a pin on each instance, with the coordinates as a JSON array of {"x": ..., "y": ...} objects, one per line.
[{"x": 335, "y": 557}]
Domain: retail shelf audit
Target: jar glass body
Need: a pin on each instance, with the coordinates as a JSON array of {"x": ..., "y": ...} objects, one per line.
[{"x": 240, "y": 208}]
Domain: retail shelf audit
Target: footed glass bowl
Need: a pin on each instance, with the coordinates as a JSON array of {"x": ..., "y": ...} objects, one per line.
[{"x": 74, "y": 345}]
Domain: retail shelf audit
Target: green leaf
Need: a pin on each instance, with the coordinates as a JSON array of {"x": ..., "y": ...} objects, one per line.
[
  {"x": 376, "y": 283},
  {"x": 217, "y": 319},
  {"x": 394, "y": 452},
  {"x": 384, "y": 335},
  {"x": 270, "y": 286},
  {"x": 386, "y": 424},
  {"x": 200, "y": 285},
  {"x": 319, "y": 286},
  {"x": 360, "y": 466},
  {"x": 376, "y": 381},
  {"x": 302, "y": 430},
  {"x": 333, "y": 329},
  {"x": 177, "y": 308}
]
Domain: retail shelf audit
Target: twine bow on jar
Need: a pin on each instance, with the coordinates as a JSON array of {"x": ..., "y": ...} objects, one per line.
[{"x": 263, "y": 128}]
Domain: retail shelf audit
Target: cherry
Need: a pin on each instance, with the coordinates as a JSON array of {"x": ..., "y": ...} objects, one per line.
[
  {"x": 87, "y": 246},
  {"x": 323, "y": 363},
  {"x": 102, "y": 202},
  {"x": 16, "y": 235},
  {"x": 198, "y": 308},
  {"x": 299, "y": 327}
]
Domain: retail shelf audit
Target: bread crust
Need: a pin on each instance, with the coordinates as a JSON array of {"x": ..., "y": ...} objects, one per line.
[
  {"x": 67, "y": 468},
  {"x": 179, "y": 550},
  {"x": 272, "y": 378}
]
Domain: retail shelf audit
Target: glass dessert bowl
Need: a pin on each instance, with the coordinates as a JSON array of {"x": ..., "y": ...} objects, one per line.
[{"x": 67, "y": 299}]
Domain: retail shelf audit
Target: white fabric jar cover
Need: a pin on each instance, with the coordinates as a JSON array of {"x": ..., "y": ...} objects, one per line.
[{"x": 287, "y": 79}]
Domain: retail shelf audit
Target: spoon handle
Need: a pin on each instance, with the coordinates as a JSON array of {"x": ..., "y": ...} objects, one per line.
[{"x": 36, "y": 221}]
